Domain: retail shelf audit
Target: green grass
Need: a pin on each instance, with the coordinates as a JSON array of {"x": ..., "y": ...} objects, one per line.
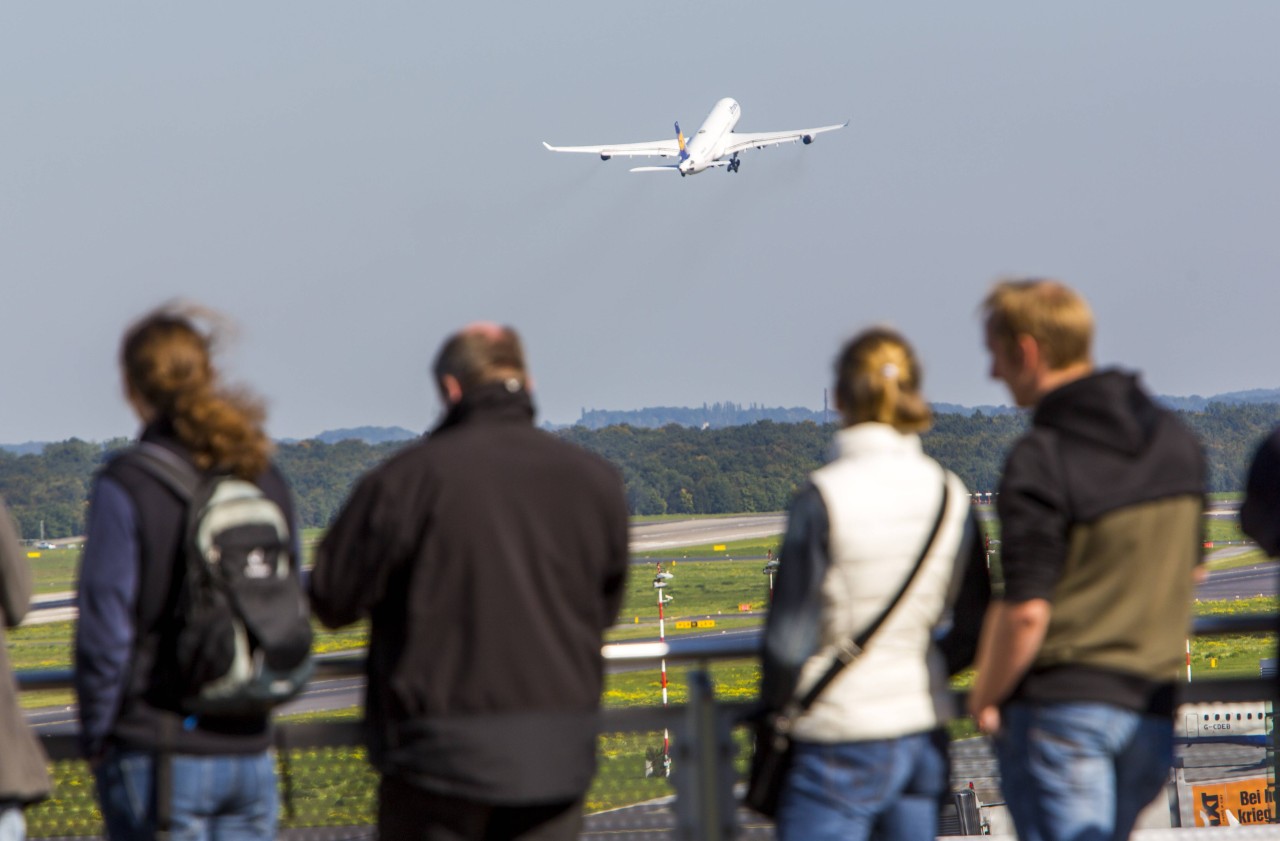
[
  {"x": 54, "y": 570},
  {"x": 1232, "y": 655},
  {"x": 698, "y": 588},
  {"x": 1219, "y": 530},
  {"x": 43, "y": 646}
]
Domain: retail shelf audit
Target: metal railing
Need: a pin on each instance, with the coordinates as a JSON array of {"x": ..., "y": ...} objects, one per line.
[{"x": 709, "y": 749}]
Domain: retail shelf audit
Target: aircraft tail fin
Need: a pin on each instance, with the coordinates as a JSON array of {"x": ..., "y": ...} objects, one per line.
[{"x": 684, "y": 153}]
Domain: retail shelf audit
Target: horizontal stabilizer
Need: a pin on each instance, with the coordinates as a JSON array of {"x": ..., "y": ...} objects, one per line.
[{"x": 655, "y": 168}]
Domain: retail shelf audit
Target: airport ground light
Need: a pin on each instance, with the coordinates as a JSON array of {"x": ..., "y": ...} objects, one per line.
[{"x": 660, "y": 581}]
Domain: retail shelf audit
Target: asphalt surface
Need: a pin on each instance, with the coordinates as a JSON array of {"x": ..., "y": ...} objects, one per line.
[
  {"x": 656, "y": 537},
  {"x": 1261, "y": 579}
]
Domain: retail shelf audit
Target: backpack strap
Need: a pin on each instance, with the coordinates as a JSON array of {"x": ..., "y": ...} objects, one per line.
[{"x": 177, "y": 474}]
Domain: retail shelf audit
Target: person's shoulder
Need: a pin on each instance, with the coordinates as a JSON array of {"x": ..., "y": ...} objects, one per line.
[
  {"x": 1036, "y": 444},
  {"x": 413, "y": 458},
  {"x": 575, "y": 455},
  {"x": 124, "y": 467},
  {"x": 123, "y": 458},
  {"x": 573, "y": 450},
  {"x": 955, "y": 484},
  {"x": 1269, "y": 449}
]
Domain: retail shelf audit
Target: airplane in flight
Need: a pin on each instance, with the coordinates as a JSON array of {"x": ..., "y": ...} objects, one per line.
[{"x": 714, "y": 144}]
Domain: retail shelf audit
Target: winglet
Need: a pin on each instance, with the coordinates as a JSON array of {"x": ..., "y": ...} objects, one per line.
[
  {"x": 548, "y": 145},
  {"x": 684, "y": 153}
]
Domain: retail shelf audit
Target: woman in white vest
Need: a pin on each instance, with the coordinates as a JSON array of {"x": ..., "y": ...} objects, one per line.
[{"x": 870, "y": 758}]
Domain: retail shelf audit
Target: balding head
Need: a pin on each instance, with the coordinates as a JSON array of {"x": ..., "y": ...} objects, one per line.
[{"x": 482, "y": 352}]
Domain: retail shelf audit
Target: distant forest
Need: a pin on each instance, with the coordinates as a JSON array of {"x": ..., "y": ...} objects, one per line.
[
  {"x": 721, "y": 415},
  {"x": 669, "y": 470}
]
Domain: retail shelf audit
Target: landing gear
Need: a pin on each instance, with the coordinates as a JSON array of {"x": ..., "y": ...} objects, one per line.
[{"x": 734, "y": 163}]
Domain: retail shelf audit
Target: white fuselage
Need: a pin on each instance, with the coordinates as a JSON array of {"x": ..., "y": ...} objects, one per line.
[
  {"x": 707, "y": 145},
  {"x": 1229, "y": 722}
]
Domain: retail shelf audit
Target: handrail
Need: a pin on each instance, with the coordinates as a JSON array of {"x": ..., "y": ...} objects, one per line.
[{"x": 681, "y": 649}]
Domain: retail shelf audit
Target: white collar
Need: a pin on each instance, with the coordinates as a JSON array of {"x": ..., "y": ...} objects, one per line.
[{"x": 867, "y": 438}]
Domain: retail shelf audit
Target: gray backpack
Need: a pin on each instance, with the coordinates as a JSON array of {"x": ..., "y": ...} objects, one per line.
[{"x": 244, "y": 638}]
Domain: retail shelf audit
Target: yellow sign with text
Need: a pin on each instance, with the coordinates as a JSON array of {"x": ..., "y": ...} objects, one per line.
[
  {"x": 1250, "y": 801},
  {"x": 696, "y": 623},
  {"x": 719, "y": 547}
]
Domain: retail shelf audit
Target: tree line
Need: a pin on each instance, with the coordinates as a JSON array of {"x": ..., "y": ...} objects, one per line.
[{"x": 669, "y": 470}]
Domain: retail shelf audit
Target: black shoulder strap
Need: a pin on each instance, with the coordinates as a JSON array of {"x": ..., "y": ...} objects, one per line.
[
  {"x": 848, "y": 653},
  {"x": 170, "y": 468}
]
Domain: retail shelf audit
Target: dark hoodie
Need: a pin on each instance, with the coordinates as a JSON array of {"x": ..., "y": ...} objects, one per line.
[
  {"x": 1260, "y": 513},
  {"x": 1100, "y": 508}
]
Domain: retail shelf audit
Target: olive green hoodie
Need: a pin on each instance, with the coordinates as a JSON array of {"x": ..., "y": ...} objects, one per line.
[{"x": 1101, "y": 514}]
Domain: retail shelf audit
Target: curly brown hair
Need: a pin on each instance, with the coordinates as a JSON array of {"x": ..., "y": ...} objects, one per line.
[{"x": 166, "y": 361}]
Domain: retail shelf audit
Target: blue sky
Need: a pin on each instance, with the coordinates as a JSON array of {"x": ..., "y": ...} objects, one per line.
[{"x": 350, "y": 182}]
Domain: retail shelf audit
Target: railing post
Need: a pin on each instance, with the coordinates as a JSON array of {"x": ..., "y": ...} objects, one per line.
[
  {"x": 703, "y": 773},
  {"x": 1273, "y": 762}
]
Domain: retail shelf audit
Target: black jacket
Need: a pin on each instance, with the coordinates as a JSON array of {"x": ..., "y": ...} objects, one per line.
[
  {"x": 491, "y": 557},
  {"x": 1100, "y": 509}
]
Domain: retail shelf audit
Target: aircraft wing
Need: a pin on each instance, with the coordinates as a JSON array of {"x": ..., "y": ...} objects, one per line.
[
  {"x": 669, "y": 148},
  {"x": 740, "y": 140}
]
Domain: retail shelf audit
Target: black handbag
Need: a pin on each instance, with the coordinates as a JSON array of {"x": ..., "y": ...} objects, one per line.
[{"x": 773, "y": 746}]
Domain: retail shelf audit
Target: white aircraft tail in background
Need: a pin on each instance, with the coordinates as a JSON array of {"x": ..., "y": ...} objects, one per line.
[{"x": 714, "y": 144}]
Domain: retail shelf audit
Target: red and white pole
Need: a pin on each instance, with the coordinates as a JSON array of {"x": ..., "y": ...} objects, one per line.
[
  {"x": 662, "y": 637},
  {"x": 660, "y": 580}
]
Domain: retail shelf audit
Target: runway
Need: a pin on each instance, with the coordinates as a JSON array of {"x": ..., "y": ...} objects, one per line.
[{"x": 655, "y": 537}]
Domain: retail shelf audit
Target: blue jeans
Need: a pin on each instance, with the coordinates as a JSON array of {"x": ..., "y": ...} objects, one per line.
[
  {"x": 1080, "y": 771},
  {"x": 886, "y": 789},
  {"x": 231, "y": 797}
]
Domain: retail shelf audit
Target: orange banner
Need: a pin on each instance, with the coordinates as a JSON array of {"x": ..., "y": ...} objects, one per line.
[{"x": 1249, "y": 801}]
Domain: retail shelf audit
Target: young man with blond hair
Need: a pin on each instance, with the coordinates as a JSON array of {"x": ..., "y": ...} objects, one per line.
[{"x": 1100, "y": 507}]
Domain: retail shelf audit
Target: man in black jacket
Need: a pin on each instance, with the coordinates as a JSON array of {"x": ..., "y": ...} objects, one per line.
[
  {"x": 1100, "y": 508},
  {"x": 490, "y": 557}
]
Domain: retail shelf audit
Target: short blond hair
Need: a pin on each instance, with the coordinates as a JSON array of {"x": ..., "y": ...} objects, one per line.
[
  {"x": 878, "y": 379},
  {"x": 1049, "y": 311}
]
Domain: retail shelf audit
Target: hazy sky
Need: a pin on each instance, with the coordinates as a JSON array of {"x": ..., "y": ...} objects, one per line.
[{"x": 351, "y": 181}]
